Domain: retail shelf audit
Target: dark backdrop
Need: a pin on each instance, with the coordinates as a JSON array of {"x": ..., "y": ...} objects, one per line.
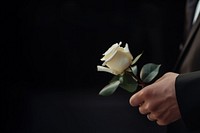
[{"x": 49, "y": 53}]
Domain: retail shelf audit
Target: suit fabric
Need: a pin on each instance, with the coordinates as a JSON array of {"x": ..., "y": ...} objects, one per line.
[{"x": 188, "y": 84}]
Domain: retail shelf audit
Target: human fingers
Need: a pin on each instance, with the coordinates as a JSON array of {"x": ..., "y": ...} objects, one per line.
[
  {"x": 168, "y": 115},
  {"x": 144, "y": 108},
  {"x": 163, "y": 120},
  {"x": 137, "y": 99},
  {"x": 151, "y": 117}
]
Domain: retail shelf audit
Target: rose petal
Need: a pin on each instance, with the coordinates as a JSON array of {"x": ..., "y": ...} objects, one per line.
[
  {"x": 113, "y": 54},
  {"x": 105, "y": 69},
  {"x": 110, "y": 52},
  {"x": 119, "y": 62},
  {"x": 109, "y": 56},
  {"x": 112, "y": 48},
  {"x": 126, "y": 48}
]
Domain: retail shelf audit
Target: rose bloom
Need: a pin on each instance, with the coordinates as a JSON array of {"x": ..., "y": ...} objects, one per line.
[{"x": 116, "y": 59}]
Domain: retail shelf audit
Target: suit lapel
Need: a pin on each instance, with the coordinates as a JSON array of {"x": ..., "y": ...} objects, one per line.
[{"x": 187, "y": 43}]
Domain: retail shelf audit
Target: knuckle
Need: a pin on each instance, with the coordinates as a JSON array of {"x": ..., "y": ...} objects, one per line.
[
  {"x": 150, "y": 108},
  {"x": 157, "y": 116},
  {"x": 161, "y": 123},
  {"x": 142, "y": 110},
  {"x": 141, "y": 94},
  {"x": 153, "y": 116},
  {"x": 144, "y": 93}
]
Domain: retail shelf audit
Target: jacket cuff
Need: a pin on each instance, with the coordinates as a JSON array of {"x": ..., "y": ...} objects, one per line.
[{"x": 188, "y": 97}]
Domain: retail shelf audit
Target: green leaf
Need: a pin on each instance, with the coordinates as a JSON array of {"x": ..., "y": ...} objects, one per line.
[
  {"x": 110, "y": 88},
  {"x": 134, "y": 70},
  {"x": 128, "y": 83},
  {"x": 115, "y": 78},
  {"x": 149, "y": 72},
  {"x": 136, "y": 59}
]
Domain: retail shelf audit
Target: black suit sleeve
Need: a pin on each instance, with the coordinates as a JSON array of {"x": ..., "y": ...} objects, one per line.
[{"x": 188, "y": 97}]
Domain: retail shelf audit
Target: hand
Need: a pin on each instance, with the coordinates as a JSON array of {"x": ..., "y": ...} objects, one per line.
[{"x": 158, "y": 100}]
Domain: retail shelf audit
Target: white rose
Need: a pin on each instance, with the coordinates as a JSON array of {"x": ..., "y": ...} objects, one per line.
[{"x": 116, "y": 59}]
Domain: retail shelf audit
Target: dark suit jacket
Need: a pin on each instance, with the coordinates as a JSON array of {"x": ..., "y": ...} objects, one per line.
[{"x": 188, "y": 84}]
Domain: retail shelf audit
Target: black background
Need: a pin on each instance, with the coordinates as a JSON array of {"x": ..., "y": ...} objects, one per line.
[{"x": 50, "y": 50}]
